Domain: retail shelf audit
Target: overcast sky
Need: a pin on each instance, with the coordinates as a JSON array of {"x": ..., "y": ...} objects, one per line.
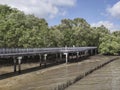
[{"x": 96, "y": 12}]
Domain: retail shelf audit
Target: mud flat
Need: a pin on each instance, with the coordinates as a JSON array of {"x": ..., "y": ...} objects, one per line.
[
  {"x": 49, "y": 78},
  {"x": 105, "y": 78}
]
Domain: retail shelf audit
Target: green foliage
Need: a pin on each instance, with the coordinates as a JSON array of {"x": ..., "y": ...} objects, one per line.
[
  {"x": 55, "y": 38},
  {"x": 20, "y": 30},
  {"x": 23, "y": 31},
  {"x": 109, "y": 45}
]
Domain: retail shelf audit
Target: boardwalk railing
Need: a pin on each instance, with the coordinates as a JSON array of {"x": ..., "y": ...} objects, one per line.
[
  {"x": 18, "y": 53},
  {"x": 42, "y": 50}
]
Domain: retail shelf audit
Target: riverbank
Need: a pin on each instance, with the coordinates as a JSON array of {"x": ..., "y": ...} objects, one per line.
[
  {"x": 49, "y": 78},
  {"x": 105, "y": 78}
]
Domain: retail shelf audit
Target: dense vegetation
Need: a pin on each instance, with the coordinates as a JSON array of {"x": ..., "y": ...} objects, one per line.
[{"x": 23, "y": 31}]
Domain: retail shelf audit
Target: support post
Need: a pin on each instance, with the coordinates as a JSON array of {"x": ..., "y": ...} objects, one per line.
[
  {"x": 95, "y": 51},
  {"x": 57, "y": 58},
  {"x": 91, "y": 52},
  {"x": 81, "y": 54},
  {"x": 40, "y": 60},
  {"x": 66, "y": 57},
  {"x": 60, "y": 56},
  {"x": 77, "y": 55},
  {"x": 19, "y": 64},
  {"x": 45, "y": 58},
  {"x": 86, "y": 53},
  {"x": 72, "y": 56},
  {"x": 15, "y": 64}
]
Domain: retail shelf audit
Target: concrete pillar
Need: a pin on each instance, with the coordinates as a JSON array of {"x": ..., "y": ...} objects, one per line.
[
  {"x": 19, "y": 64},
  {"x": 45, "y": 58},
  {"x": 66, "y": 57},
  {"x": 15, "y": 64},
  {"x": 40, "y": 60}
]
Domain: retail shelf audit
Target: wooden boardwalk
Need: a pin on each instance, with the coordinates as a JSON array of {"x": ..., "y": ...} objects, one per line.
[{"x": 18, "y": 53}]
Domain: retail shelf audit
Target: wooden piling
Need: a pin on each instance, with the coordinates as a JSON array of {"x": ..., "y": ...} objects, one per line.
[
  {"x": 15, "y": 64},
  {"x": 60, "y": 56},
  {"x": 40, "y": 57}
]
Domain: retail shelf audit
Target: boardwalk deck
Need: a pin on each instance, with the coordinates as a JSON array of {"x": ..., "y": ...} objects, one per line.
[{"x": 18, "y": 53}]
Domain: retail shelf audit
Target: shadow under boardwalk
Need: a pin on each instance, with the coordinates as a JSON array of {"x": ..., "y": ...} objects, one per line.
[{"x": 12, "y": 74}]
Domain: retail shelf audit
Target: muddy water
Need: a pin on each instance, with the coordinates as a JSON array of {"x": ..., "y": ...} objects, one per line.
[
  {"x": 47, "y": 79},
  {"x": 106, "y": 78}
]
